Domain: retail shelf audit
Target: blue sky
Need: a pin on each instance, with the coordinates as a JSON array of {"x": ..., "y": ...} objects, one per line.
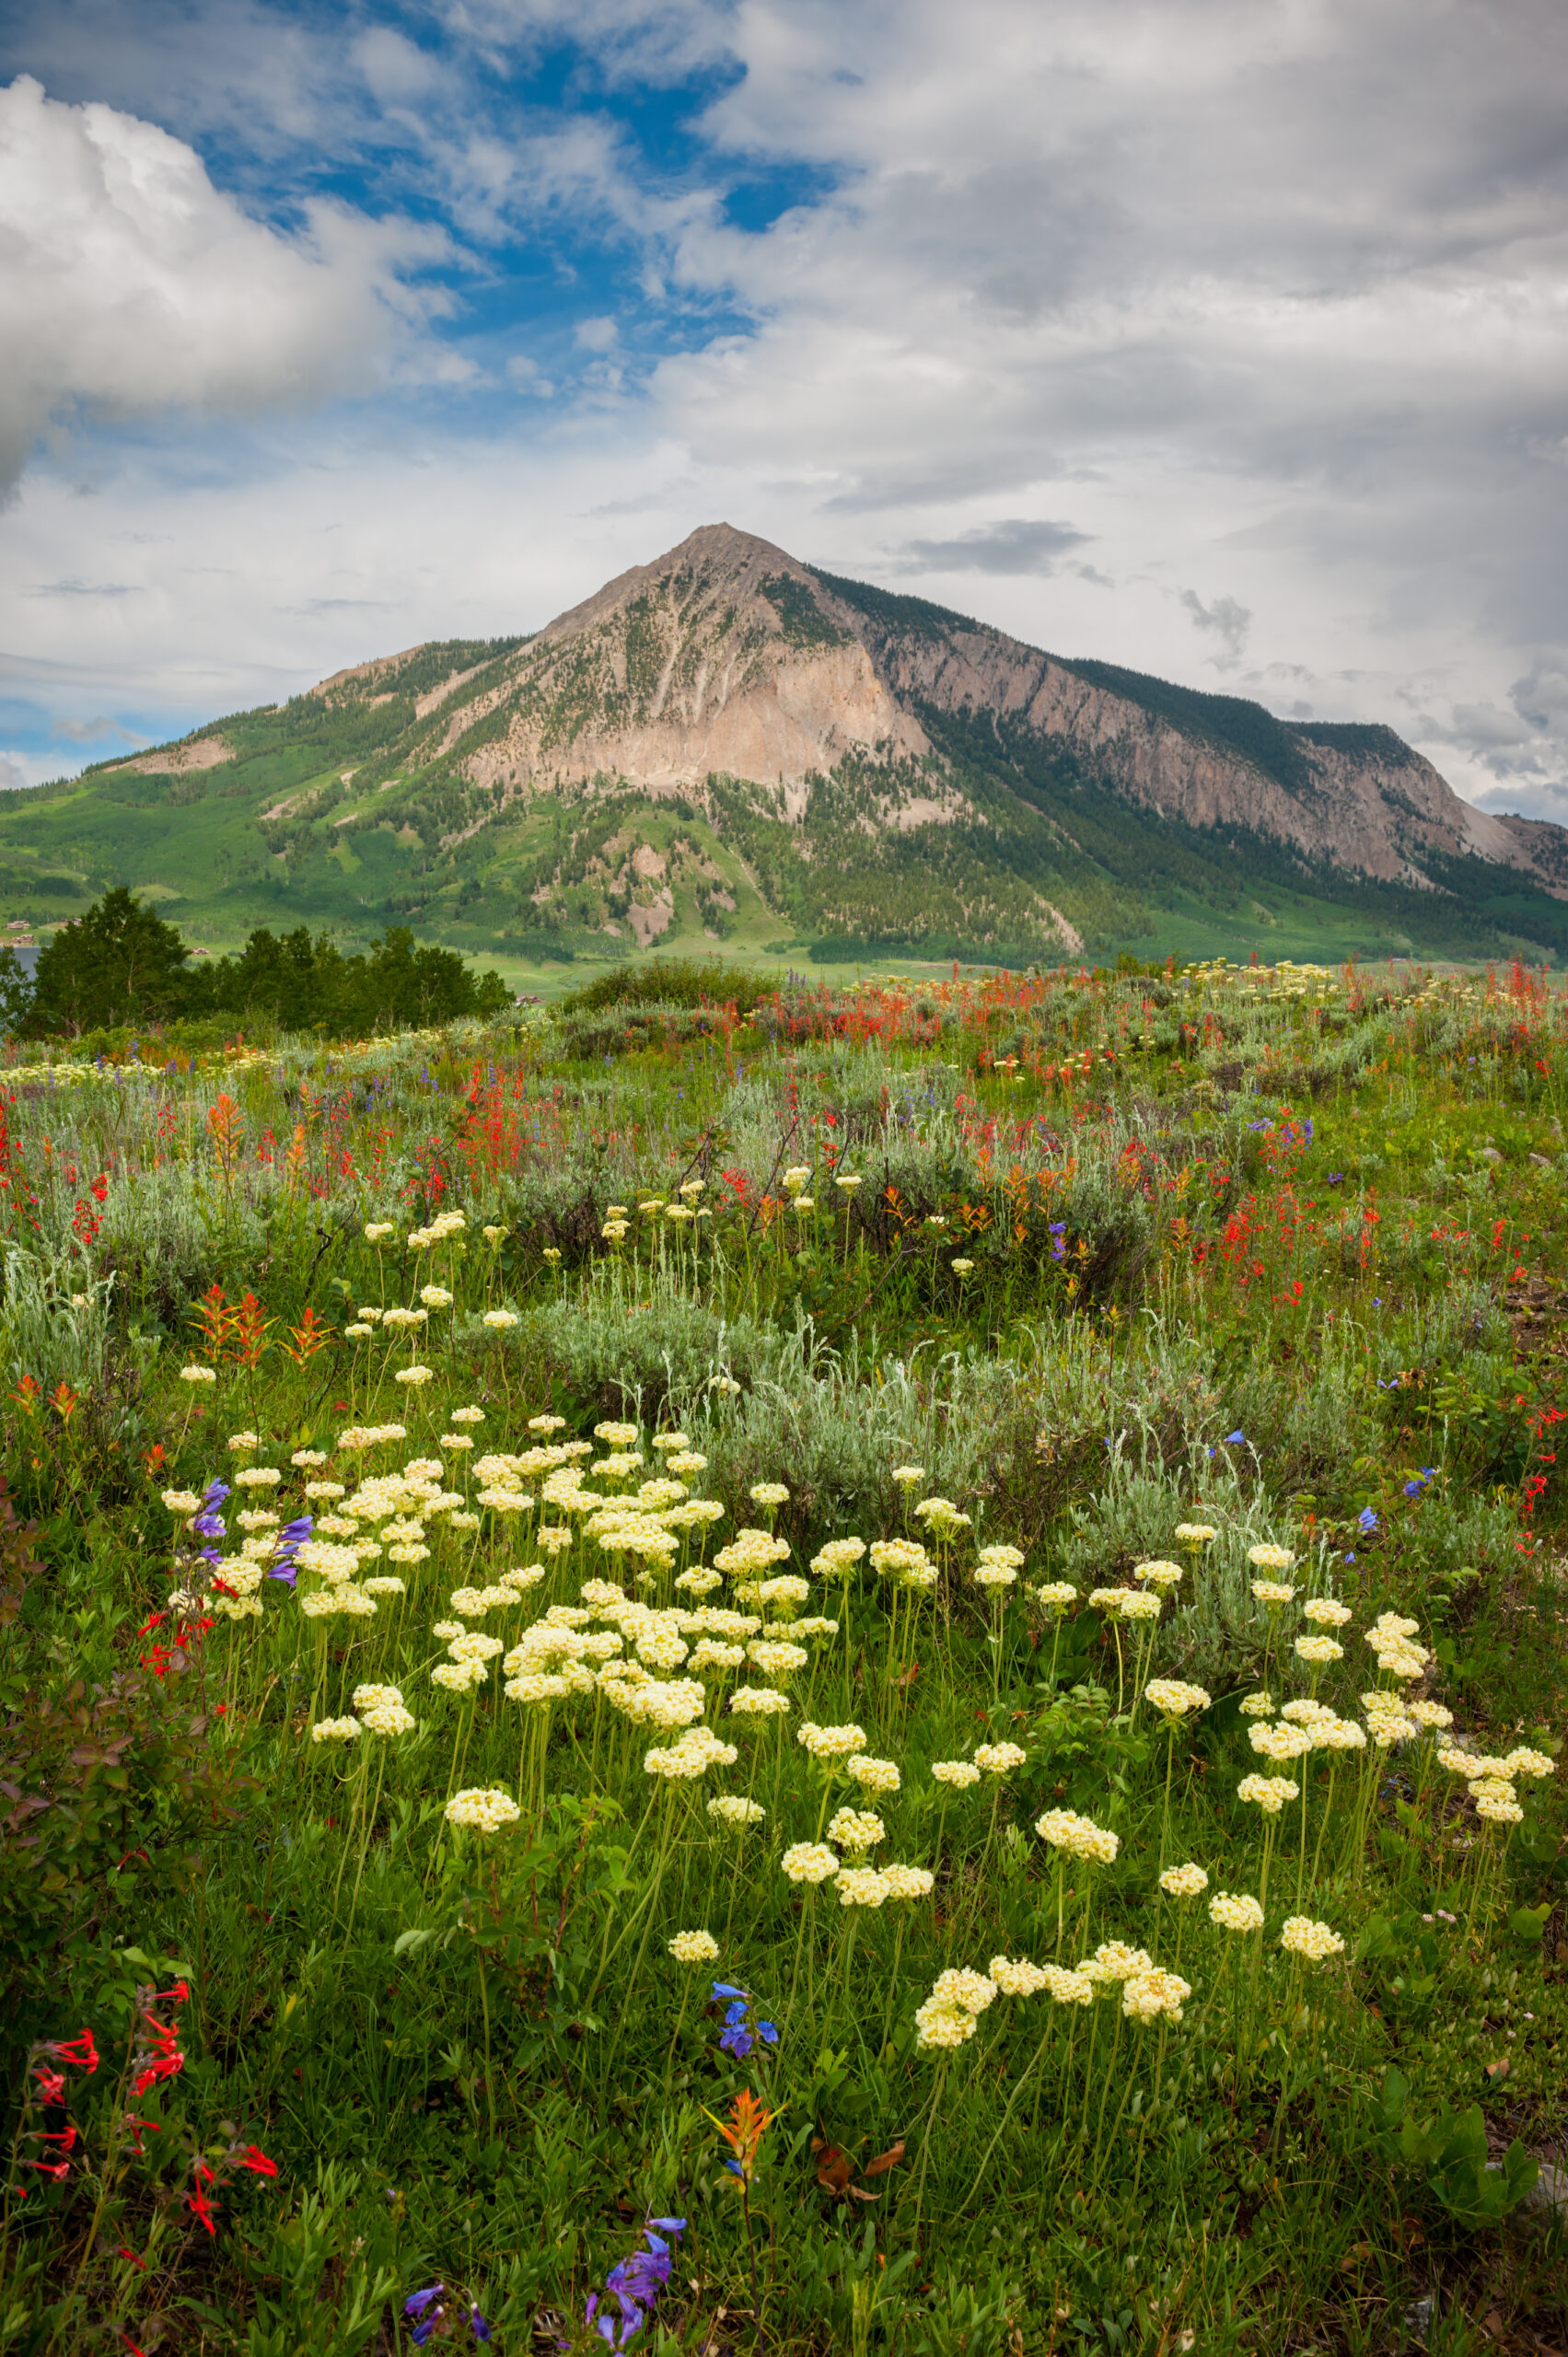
[{"x": 1224, "y": 338}]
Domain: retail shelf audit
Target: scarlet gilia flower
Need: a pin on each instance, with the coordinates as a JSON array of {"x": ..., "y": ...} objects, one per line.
[
  {"x": 252, "y": 2157},
  {"x": 201, "y": 2208},
  {"x": 156, "y": 2055},
  {"x": 80, "y": 2052}
]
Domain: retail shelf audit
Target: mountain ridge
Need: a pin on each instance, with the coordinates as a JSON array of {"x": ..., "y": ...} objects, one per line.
[{"x": 726, "y": 740}]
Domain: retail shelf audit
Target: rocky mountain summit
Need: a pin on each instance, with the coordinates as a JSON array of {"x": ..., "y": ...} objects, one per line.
[{"x": 728, "y": 740}]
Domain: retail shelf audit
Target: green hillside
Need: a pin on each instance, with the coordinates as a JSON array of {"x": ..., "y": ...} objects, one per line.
[{"x": 351, "y": 807}]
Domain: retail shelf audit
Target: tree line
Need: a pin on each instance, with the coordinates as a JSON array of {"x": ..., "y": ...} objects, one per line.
[{"x": 121, "y": 963}]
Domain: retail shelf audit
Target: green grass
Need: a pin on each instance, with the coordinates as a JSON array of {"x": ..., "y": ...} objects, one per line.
[{"x": 1287, "y": 1263}]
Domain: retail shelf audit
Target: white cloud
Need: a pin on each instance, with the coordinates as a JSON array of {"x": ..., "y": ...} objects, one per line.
[
  {"x": 1258, "y": 292},
  {"x": 130, "y": 286}
]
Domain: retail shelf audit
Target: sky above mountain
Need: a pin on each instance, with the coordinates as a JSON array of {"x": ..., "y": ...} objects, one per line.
[{"x": 1226, "y": 339}]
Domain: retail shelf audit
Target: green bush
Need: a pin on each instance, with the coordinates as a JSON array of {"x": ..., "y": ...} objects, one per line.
[{"x": 671, "y": 981}]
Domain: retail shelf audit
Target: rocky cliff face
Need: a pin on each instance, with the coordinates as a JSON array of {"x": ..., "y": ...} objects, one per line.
[
  {"x": 727, "y": 657},
  {"x": 719, "y": 658}
]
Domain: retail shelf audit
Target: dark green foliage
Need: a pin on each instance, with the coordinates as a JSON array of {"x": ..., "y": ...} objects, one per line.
[
  {"x": 118, "y": 963},
  {"x": 802, "y": 620},
  {"x": 298, "y": 984},
  {"x": 1364, "y": 741},
  {"x": 94, "y": 1775},
  {"x": 916, "y": 616},
  {"x": 670, "y": 982},
  {"x": 1232, "y": 721}
]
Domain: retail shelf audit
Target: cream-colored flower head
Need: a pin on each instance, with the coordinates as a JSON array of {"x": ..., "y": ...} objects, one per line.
[
  {"x": 1113, "y": 1960},
  {"x": 1078, "y": 1837},
  {"x": 872, "y": 1775},
  {"x": 961, "y": 1986},
  {"x": 758, "y": 1703},
  {"x": 1017, "y": 1977},
  {"x": 940, "y": 2026},
  {"x": 1269, "y": 1793},
  {"x": 1326, "y": 1612},
  {"x": 1273, "y": 1593},
  {"x": 1057, "y": 1595},
  {"x": 482, "y": 1808},
  {"x": 1195, "y": 1534},
  {"x": 335, "y": 1731},
  {"x": 1155, "y": 1995},
  {"x": 828, "y": 1744},
  {"x": 694, "y": 1948},
  {"x": 1282, "y": 1742},
  {"x": 1271, "y": 1558},
  {"x": 1236, "y": 1912},
  {"x": 1184, "y": 1882},
  {"x": 810, "y": 1862},
  {"x": 1175, "y": 1699},
  {"x": 999, "y": 1759},
  {"x": 860, "y": 1886},
  {"x": 855, "y": 1830},
  {"x": 908, "y": 1882},
  {"x": 735, "y": 1811},
  {"x": 1314, "y": 1942},
  {"x": 1160, "y": 1573},
  {"x": 957, "y": 1773}
]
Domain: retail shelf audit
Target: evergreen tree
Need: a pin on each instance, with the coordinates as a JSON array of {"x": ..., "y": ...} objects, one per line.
[{"x": 120, "y": 963}]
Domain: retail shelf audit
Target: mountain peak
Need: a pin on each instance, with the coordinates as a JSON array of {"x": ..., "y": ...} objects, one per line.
[
  {"x": 726, "y": 741},
  {"x": 714, "y": 554}
]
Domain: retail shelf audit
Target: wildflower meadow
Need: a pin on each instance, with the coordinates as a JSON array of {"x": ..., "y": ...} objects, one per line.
[{"x": 793, "y": 1668}]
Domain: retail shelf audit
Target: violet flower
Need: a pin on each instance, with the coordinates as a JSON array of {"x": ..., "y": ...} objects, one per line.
[
  {"x": 635, "y": 2284},
  {"x": 426, "y": 2316}
]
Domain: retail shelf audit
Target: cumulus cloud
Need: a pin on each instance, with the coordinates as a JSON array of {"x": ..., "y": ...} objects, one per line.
[
  {"x": 129, "y": 284},
  {"x": 1014, "y": 544},
  {"x": 1265, "y": 293}
]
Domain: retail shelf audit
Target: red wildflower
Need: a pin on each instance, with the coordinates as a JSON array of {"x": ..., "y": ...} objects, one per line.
[
  {"x": 254, "y": 2158},
  {"x": 80, "y": 2052}
]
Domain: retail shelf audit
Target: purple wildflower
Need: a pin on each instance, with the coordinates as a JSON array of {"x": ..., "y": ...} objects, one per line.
[
  {"x": 635, "y": 2284},
  {"x": 292, "y": 1535},
  {"x": 426, "y": 2316}
]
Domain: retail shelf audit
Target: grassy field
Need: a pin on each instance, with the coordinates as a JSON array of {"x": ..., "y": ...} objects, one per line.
[{"x": 880, "y": 1676}]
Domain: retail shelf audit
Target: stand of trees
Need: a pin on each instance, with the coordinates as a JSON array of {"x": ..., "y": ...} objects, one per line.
[{"x": 121, "y": 963}]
